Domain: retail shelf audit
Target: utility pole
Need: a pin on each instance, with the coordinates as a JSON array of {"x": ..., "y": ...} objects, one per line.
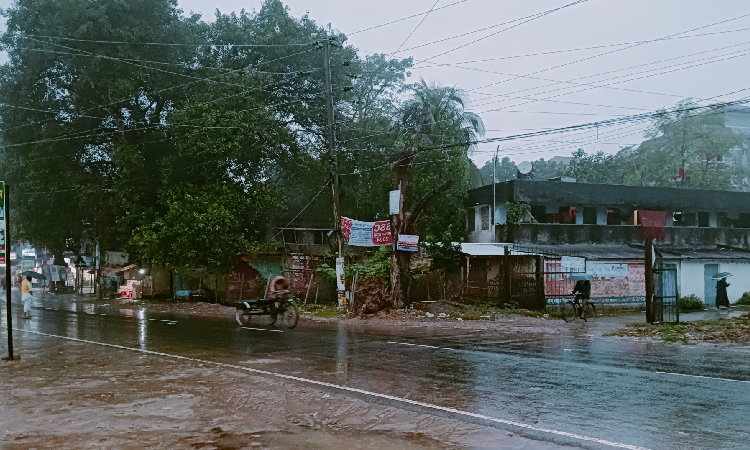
[
  {"x": 649, "y": 269},
  {"x": 494, "y": 203},
  {"x": 336, "y": 190},
  {"x": 5, "y": 204}
]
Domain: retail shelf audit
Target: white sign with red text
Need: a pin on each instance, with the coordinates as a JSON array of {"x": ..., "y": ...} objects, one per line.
[
  {"x": 366, "y": 234},
  {"x": 408, "y": 242}
]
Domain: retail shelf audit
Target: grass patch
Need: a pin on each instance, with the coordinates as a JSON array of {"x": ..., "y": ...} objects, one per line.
[{"x": 735, "y": 330}]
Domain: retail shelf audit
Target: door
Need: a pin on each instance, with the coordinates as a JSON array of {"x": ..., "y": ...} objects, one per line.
[{"x": 709, "y": 284}]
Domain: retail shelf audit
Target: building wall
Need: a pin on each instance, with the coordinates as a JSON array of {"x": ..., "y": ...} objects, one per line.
[
  {"x": 555, "y": 234},
  {"x": 633, "y": 285},
  {"x": 691, "y": 279}
]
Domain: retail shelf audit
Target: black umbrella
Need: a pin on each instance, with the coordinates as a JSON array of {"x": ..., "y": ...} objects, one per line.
[{"x": 37, "y": 275}]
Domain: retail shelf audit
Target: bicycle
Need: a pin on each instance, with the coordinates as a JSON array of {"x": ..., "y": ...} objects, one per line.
[{"x": 572, "y": 309}]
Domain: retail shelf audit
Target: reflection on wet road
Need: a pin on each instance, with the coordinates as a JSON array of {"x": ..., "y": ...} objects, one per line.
[{"x": 637, "y": 394}]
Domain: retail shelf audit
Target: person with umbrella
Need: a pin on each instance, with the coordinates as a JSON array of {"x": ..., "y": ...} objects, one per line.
[
  {"x": 582, "y": 290},
  {"x": 26, "y": 297},
  {"x": 722, "y": 300}
]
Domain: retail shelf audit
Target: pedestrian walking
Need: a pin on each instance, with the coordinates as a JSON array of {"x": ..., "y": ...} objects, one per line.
[
  {"x": 722, "y": 300},
  {"x": 582, "y": 292},
  {"x": 26, "y": 297}
]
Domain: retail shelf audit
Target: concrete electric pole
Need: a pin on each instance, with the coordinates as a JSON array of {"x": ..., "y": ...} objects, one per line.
[{"x": 336, "y": 191}]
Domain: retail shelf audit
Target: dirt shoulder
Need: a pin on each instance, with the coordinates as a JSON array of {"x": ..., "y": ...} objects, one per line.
[
  {"x": 718, "y": 331},
  {"x": 716, "y": 327}
]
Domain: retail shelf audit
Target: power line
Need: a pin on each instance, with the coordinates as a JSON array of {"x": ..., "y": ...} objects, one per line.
[
  {"x": 537, "y": 16},
  {"x": 167, "y": 89},
  {"x": 612, "y": 51},
  {"x": 406, "y": 18},
  {"x": 573, "y": 49},
  {"x": 595, "y": 86},
  {"x": 166, "y": 44}
]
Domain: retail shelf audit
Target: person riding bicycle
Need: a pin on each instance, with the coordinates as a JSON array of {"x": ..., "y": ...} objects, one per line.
[{"x": 582, "y": 291}]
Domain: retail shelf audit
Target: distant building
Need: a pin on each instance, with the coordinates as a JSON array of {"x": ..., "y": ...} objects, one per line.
[{"x": 707, "y": 231}]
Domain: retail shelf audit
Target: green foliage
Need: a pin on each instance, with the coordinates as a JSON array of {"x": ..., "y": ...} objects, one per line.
[
  {"x": 506, "y": 170},
  {"x": 681, "y": 137},
  {"x": 378, "y": 265},
  {"x": 443, "y": 250},
  {"x": 690, "y": 303},
  {"x": 744, "y": 300},
  {"x": 516, "y": 211},
  {"x": 201, "y": 228}
]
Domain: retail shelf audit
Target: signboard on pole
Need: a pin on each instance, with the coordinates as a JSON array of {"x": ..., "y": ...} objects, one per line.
[
  {"x": 340, "y": 277},
  {"x": 394, "y": 200},
  {"x": 366, "y": 234},
  {"x": 408, "y": 242},
  {"x": 2, "y": 223}
]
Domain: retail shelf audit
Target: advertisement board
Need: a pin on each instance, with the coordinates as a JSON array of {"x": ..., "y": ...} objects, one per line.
[
  {"x": 366, "y": 234},
  {"x": 408, "y": 242}
]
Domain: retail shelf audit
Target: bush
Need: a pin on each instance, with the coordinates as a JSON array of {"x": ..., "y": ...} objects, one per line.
[
  {"x": 744, "y": 300},
  {"x": 690, "y": 303}
]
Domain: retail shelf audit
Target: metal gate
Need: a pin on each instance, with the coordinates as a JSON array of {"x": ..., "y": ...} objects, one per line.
[
  {"x": 531, "y": 278},
  {"x": 666, "y": 295}
]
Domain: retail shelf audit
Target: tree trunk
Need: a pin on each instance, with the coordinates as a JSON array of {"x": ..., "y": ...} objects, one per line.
[{"x": 400, "y": 278}]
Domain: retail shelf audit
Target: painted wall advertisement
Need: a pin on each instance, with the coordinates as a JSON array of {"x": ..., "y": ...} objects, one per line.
[{"x": 366, "y": 234}]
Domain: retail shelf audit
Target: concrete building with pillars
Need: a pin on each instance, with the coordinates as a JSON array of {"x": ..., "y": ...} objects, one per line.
[{"x": 707, "y": 231}]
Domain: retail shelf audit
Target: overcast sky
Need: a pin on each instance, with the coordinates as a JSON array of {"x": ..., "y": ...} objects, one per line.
[{"x": 488, "y": 70}]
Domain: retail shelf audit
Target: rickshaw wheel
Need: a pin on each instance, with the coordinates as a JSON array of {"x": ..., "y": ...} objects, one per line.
[
  {"x": 243, "y": 319},
  {"x": 291, "y": 316}
]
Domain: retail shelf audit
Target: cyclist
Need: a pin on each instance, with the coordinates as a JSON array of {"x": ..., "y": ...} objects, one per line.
[{"x": 582, "y": 291}]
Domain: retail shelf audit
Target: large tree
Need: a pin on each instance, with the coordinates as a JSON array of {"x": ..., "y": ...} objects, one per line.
[
  {"x": 69, "y": 101},
  {"x": 431, "y": 164}
]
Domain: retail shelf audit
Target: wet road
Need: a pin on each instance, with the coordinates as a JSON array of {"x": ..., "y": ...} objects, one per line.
[{"x": 574, "y": 390}]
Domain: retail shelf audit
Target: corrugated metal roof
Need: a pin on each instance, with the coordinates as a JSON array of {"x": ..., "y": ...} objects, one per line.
[{"x": 701, "y": 253}]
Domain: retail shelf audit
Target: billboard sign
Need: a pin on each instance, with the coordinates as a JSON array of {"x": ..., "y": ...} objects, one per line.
[
  {"x": 408, "y": 242},
  {"x": 366, "y": 234}
]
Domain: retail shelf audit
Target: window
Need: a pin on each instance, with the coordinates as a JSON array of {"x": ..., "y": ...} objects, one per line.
[
  {"x": 677, "y": 218},
  {"x": 744, "y": 220},
  {"x": 567, "y": 214},
  {"x": 484, "y": 211},
  {"x": 539, "y": 212},
  {"x": 723, "y": 220},
  {"x": 471, "y": 224},
  {"x": 589, "y": 215},
  {"x": 290, "y": 237},
  {"x": 613, "y": 217},
  {"x": 703, "y": 219}
]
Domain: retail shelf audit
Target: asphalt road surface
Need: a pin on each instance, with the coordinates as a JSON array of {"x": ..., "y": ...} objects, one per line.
[{"x": 573, "y": 389}]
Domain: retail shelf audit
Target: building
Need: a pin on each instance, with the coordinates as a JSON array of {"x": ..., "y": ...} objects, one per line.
[{"x": 706, "y": 231}]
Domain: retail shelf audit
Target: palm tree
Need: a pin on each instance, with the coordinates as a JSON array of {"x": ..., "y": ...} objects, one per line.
[{"x": 435, "y": 119}]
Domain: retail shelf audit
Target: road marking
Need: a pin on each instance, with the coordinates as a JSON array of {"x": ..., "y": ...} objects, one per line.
[
  {"x": 702, "y": 376},
  {"x": 261, "y": 329},
  {"x": 354, "y": 390},
  {"x": 420, "y": 345}
]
